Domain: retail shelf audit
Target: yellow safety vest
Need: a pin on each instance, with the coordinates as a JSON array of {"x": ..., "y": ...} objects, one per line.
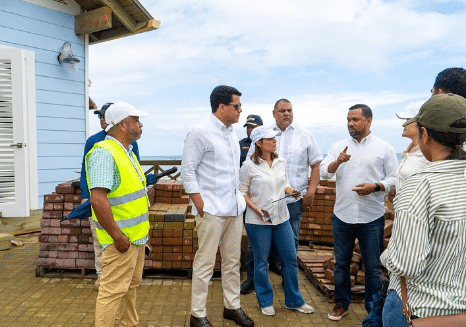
[{"x": 129, "y": 202}]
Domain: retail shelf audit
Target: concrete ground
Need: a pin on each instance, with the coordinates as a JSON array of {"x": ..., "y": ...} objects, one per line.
[{"x": 26, "y": 300}]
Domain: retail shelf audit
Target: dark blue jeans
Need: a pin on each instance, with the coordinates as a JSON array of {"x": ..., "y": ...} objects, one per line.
[
  {"x": 370, "y": 238},
  {"x": 296, "y": 214}
]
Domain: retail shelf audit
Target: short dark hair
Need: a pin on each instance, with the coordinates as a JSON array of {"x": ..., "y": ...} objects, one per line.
[
  {"x": 454, "y": 141},
  {"x": 280, "y": 101},
  {"x": 222, "y": 94},
  {"x": 366, "y": 110},
  {"x": 452, "y": 80}
]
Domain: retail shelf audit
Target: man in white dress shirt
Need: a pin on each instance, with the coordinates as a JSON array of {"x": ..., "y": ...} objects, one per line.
[
  {"x": 302, "y": 154},
  {"x": 210, "y": 174},
  {"x": 364, "y": 166}
]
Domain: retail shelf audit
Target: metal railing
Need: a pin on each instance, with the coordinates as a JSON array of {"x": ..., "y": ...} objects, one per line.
[{"x": 159, "y": 166}]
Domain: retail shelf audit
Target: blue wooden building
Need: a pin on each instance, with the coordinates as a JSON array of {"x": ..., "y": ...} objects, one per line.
[{"x": 44, "y": 104}]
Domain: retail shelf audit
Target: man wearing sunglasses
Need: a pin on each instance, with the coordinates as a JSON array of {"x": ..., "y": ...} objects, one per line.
[{"x": 210, "y": 174}]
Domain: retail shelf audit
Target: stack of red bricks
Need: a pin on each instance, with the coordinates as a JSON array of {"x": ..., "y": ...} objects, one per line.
[
  {"x": 68, "y": 243},
  {"x": 356, "y": 267},
  {"x": 173, "y": 238},
  {"x": 316, "y": 225},
  {"x": 170, "y": 191}
]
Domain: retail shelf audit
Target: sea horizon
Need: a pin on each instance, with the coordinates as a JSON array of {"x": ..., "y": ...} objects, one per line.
[{"x": 179, "y": 157}]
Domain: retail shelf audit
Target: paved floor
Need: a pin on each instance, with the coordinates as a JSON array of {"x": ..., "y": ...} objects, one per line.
[{"x": 26, "y": 300}]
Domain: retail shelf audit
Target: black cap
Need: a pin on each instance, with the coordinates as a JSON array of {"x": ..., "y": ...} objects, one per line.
[{"x": 102, "y": 110}]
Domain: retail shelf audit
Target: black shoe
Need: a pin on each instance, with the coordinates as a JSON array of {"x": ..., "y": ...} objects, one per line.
[
  {"x": 247, "y": 286},
  {"x": 199, "y": 322},
  {"x": 238, "y": 316},
  {"x": 276, "y": 267}
]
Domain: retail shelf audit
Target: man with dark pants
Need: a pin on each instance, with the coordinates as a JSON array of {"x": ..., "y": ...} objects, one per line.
[
  {"x": 364, "y": 166},
  {"x": 301, "y": 152},
  {"x": 210, "y": 174},
  {"x": 120, "y": 212}
]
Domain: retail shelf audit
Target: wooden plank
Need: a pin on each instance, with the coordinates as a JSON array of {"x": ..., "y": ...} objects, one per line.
[
  {"x": 40, "y": 41},
  {"x": 60, "y": 98},
  {"x": 93, "y": 21},
  {"x": 61, "y": 124},
  {"x": 61, "y": 150},
  {"x": 71, "y": 162},
  {"x": 21, "y": 225},
  {"x": 59, "y": 137},
  {"x": 60, "y": 85}
]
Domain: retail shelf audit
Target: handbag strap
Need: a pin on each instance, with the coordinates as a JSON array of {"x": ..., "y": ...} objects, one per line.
[{"x": 404, "y": 298}]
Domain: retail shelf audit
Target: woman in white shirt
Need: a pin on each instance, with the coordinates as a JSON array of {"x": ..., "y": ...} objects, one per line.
[
  {"x": 263, "y": 180},
  {"x": 413, "y": 159}
]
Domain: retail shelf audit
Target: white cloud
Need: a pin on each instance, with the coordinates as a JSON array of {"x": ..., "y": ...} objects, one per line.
[
  {"x": 262, "y": 35},
  {"x": 261, "y": 45}
]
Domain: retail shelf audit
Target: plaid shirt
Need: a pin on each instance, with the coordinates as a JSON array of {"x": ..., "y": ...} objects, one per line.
[{"x": 103, "y": 173}]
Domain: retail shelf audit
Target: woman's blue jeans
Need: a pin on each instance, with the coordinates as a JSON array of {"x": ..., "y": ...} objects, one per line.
[
  {"x": 261, "y": 237},
  {"x": 392, "y": 314},
  {"x": 370, "y": 237}
]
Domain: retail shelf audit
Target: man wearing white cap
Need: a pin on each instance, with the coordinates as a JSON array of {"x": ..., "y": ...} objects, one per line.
[{"x": 120, "y": 212}]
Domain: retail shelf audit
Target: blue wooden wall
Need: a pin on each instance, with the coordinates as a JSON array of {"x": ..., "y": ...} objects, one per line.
[{"x": 60, "y": 93}]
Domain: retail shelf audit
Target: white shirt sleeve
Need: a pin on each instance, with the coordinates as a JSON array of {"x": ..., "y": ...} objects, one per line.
[
  {"x": 390, "y": 166},
  {"x": 194, "y": 148}
]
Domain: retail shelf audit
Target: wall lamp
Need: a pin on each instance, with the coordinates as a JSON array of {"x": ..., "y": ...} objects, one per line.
[{"x": 66, "y": 57}]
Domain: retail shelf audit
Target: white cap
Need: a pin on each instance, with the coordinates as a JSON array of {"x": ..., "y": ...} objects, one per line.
[
  {"x": 262, "y": 132},
  {"x": 120, "y": 110},
  {"x": 408, "y": 114}
]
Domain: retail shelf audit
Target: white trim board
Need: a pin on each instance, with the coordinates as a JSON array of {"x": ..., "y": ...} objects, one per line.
[{"x": 66, "y": 6}]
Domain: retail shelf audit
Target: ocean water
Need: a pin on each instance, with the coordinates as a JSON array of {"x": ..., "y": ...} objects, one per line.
[
  {"x": 179, "y": 157},
  {"x": 175, "y": 157}
]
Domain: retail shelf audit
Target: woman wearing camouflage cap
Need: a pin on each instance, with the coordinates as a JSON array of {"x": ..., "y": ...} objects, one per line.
[{"x": 428, "y": 243}]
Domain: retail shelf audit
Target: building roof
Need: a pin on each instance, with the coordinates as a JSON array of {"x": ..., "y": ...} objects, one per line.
[{"x": 112, "y": 19}]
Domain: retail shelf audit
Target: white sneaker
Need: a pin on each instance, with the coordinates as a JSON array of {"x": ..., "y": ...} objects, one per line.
[
  {"x": 268, "y": 311},
  {"x": 305, "y": 308}
]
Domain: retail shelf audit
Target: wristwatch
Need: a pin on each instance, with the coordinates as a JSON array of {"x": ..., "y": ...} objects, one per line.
[{"x": 377, "y": 187}]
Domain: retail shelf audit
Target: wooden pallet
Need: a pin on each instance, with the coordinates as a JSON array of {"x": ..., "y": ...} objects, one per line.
[{"x": 312, "y": 263}]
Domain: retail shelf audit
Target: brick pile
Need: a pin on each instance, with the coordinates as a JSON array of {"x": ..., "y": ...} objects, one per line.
[
  {"x": 173, "y": 238},
  {"x": 67, "y": 244},
  {"x": 316, "y": 225},
  {"x": 357, "y": 273},
  {"x": 64, "y": 244}
]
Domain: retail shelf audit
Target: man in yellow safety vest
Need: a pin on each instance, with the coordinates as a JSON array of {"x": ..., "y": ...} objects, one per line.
[{"x": 120, "y": 211}]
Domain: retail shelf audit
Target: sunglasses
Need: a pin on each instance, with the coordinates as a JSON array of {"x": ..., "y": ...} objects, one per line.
[{"x": 236, "y": 106}]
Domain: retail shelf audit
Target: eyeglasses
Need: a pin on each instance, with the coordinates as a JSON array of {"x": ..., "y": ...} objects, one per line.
[{"x": 236, "y": 106}]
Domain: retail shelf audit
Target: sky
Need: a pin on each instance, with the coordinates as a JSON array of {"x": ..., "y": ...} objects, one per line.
[{"x": 324, "y": 56}]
